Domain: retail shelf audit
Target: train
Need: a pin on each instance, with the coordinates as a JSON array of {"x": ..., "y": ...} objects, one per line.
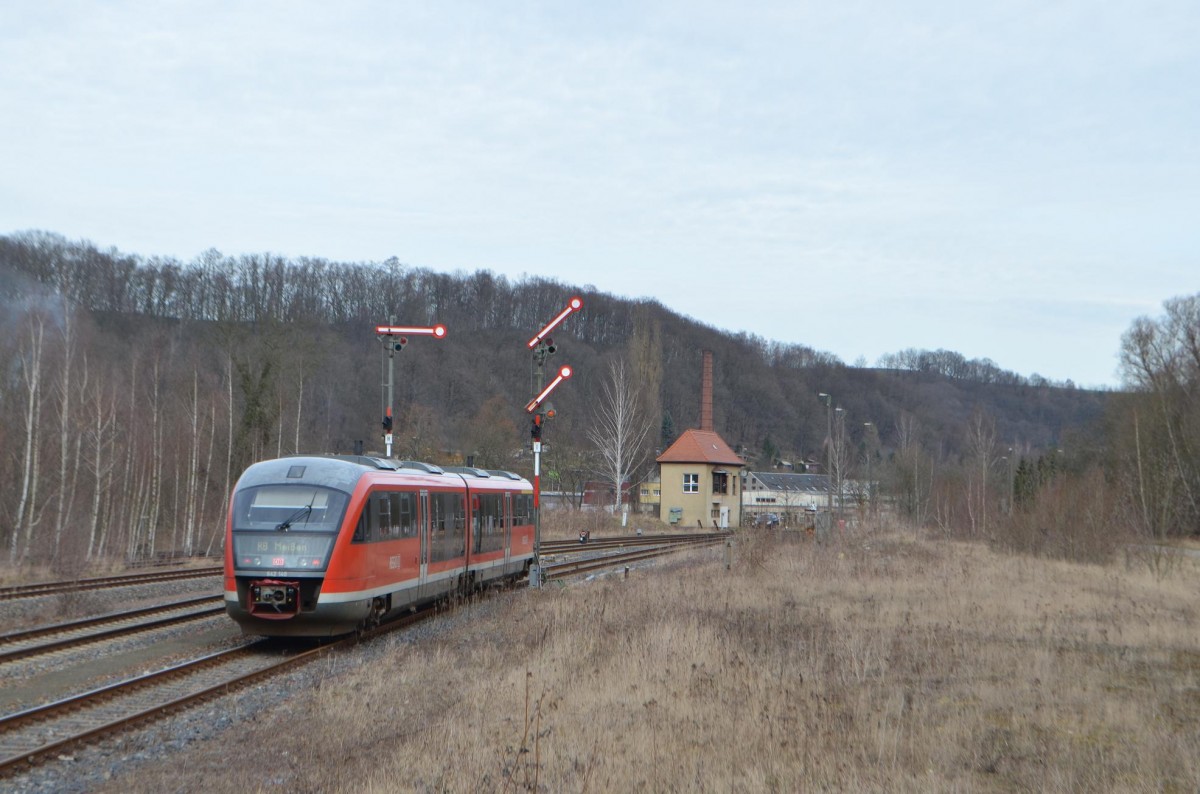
[{"x": 326, "y": 545}]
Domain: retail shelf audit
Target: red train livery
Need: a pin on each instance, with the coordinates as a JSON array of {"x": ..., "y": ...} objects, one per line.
[{"x": 325, "y": 545}]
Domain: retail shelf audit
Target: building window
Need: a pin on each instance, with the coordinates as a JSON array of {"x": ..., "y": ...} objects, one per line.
[
  {"x": 720, "y": 482},
  {"x": 691, "y": 483}
]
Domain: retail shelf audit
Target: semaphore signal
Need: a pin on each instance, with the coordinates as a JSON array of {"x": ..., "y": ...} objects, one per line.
[
  {"x": 396, "y": 337},
  {"x": 436, "y": 331},
  {"x": 542, "y": 346},
  {"x": 574, "y": 305},
  {"x": 563, "y": 374}
]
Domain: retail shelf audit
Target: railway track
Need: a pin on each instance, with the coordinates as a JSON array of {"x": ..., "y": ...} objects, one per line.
[
  {"x": 34, "y": 734},
  {"x": 560, "y": 570},
  {"x": 31, "y": 735},
  {"x": 124, "y": 580},
  {"x": 597, "y": 544},
  {"x": 37, "y": 733},
  {"x": 45, "y": 639}
]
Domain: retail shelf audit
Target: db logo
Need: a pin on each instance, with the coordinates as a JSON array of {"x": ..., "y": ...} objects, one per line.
[{"x": 277, "y": 562}]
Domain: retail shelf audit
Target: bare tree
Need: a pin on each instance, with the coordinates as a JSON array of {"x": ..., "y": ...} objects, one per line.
[
  {"x": 981, "y": 443},
  {"x": 619, "y": 430},
  {"x": 490, "y": 434},
  {"x": 31, "y": 373},
  {"x": 100, "y": 451},
  {"x": 913, "y": 471},
  {"x": 1160, "y": 359},
  {"x": 66, "y": 389},
  {"x": 567, "y": 467}
]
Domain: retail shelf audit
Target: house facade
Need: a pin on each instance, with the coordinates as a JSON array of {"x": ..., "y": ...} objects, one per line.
[
  {"x": 700, "y": 482},
  {"x": 790, "y": 500},
  {"x": 650, "y": 495}
]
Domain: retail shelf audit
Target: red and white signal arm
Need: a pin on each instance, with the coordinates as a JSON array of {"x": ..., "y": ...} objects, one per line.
[
  {"x": 563, "y": 374},
  {"x": 436, "y": 331},
  {"x": 574, "y": 305}
]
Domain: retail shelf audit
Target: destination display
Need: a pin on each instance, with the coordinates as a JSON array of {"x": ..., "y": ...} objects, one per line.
[{"x": 275, "y": 551}]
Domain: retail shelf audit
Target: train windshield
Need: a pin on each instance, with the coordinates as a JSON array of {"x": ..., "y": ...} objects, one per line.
[{"x": 289, "y": 508}]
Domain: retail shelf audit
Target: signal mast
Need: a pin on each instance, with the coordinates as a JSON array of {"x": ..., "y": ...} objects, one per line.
[
  {"x": 542, "y": 346},
  {"x": 395, "y": 337}
]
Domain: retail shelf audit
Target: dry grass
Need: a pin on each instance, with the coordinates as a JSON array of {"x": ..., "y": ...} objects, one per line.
[{"x": 883, "y": 664}]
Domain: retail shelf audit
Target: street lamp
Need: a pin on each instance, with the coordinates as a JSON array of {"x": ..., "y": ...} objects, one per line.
[
  {"x": 840, "y": 456},
  {"x": 828, "y": 400},
  {"x": 1004, "y": 460},
  {"x": 1011, "y": 482},
  {"x": 869, "y": 429}
]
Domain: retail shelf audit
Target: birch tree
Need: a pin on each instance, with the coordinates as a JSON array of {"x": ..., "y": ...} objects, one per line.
[
  {"x": 66, "y": 390},
  {"x": 30, "y": 360},
  {"x": 981, "y": 443},
  {"x": 100, "y": 451},
  {"x": 618, "y": 429}
]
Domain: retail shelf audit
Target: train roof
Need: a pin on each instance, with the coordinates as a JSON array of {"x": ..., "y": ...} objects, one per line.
[{"x": 343, "y": 472}]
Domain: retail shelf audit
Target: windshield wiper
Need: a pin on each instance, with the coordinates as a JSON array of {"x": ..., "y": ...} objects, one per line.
[{"x": 305, "y": 511}]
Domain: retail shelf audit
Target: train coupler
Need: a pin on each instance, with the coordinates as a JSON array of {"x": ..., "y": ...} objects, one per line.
[{"x": 273, "y": 599}]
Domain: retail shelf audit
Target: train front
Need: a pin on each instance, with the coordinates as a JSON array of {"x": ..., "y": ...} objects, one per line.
[{"x": 283, "y": 525}]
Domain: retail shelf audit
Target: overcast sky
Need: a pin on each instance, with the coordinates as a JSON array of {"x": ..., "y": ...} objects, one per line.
[{"x": 1010, "y": 180}]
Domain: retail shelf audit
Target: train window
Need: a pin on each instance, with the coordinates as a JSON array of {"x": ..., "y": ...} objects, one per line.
[
  {"x": 404, "y": 510},
  {"x": 489, "y": 523},
  {"x": 457, "y": 509},
  {"x": 522, "y": 508},
  {"x": 437, "y": 522},
  {"x": 448, "y": 515},
  {"x": 388, "y": 515},
  {"x": 294, "y": 508},
  {"x": 381, "y": 523}
]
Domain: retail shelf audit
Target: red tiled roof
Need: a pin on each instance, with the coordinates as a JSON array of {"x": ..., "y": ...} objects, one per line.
[{"x": 700, "y": 446}]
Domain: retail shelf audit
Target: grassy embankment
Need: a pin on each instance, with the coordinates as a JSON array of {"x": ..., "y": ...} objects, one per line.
[{"x": 880, "y": 662}]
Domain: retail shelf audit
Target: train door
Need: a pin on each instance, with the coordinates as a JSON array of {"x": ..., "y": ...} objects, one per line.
[{"x": 423, "y": 523}]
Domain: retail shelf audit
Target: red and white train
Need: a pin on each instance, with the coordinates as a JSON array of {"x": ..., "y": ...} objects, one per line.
[{"x": 324, "y": 545}]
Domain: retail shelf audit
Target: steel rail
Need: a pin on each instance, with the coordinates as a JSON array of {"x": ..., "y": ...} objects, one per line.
[
  {"x": 24, "y": 756},
  {"x": 563, "y": 569},
  {"x": 27, "y": 756},
  {"x": 124, "y": 580},
  {"x": 25, "y": 651},
  {"x": 565, "y": 546}
]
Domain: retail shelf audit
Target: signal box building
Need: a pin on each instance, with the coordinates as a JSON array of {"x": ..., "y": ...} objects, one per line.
[
  {"x": 699, "y": 475},
  {"x": 700, "y": 482}
]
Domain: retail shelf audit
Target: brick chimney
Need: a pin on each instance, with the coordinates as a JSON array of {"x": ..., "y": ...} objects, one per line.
[{"x": 706, "y": 393}]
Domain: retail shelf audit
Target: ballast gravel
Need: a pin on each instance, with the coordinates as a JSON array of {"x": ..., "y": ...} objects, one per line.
[{"x": 87, "y": 768}]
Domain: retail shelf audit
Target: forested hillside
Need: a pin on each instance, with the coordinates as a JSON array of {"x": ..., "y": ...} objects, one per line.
[{"x": 137, "y": 388}]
